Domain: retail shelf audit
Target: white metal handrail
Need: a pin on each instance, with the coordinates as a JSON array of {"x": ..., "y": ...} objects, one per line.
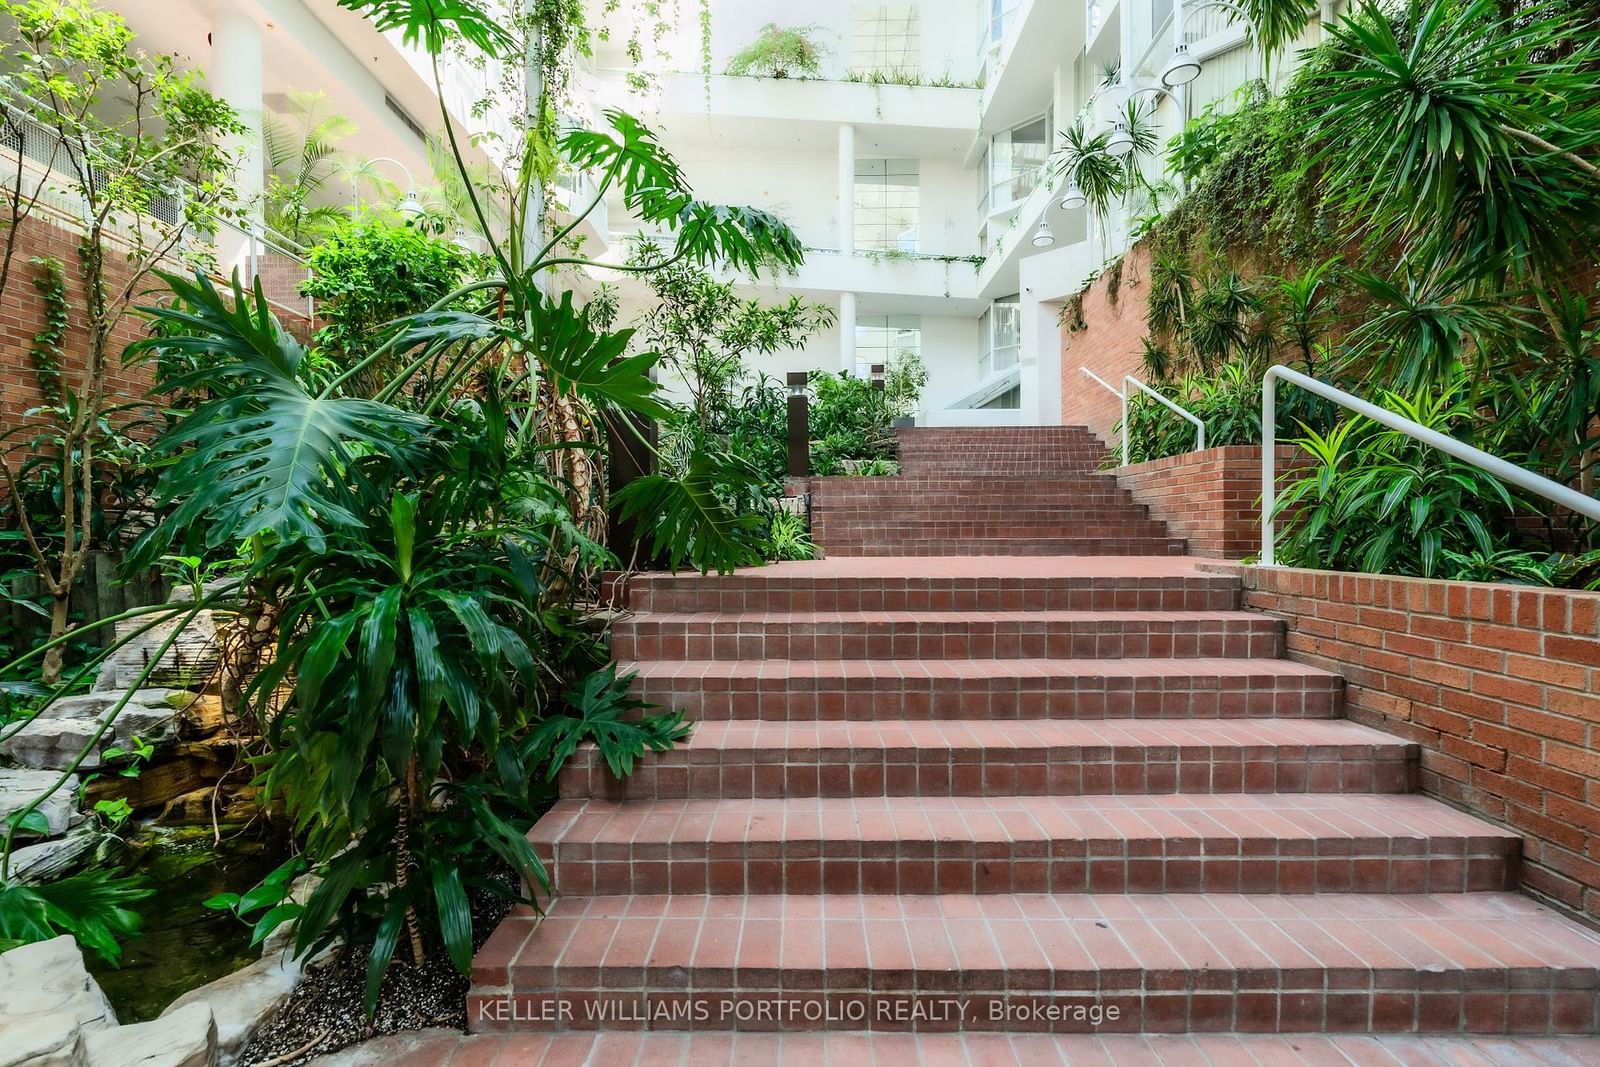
[
  {"x": 1566, "y": 496},
  {"x": 1199, "y": 424},
  {"x": 1121, "y": 399}
]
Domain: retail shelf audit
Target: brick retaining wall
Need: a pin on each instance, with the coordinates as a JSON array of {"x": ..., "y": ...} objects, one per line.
[
  {"x": 1210, "y": 497},
  {"x": 1500, "y": 684}
]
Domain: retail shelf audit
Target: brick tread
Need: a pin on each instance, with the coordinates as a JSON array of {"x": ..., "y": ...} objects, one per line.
[
  {"x": 944, "y": 634},
  {"x": 918, "y": 845},
  {"x": 844, "y": 1048},
  {"x": 1012, "y": 546},
  {"x": 870, "y": 689},
  {"x": 1037, "y": 757},
  {"x": 1441, "y": 963}
]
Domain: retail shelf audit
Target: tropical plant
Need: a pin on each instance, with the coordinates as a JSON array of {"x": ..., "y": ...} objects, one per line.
[
  {"x": 95, "y": 907},
  {"x": 850, "y": 421},
  {"x": 1376, "y": 500},
  {"x": 138, "y": 143},
  {"x": 1460, "y": 131},
  {"x": 1274, "y": 24},
  {"x": 302, "y": 156},
  {"x": 778, "y": 52},
  {"x": 367, "y": 273},
  {"x": 790, "y": 536},
  {"x": 706, "y": 332},
  {"x": 904, "y": 376}
]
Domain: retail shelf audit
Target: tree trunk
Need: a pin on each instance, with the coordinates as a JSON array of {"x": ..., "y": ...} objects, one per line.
[{"x": 50, "y": 671}]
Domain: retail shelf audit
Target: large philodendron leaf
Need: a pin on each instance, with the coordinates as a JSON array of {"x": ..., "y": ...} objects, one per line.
[
  {"x": 266, "y": 454},
  {"x": 654, "y": 188},
  {"x": 688, "y": 521},
  {"x": 653, "y": 185},
  {"x": 594, "y": 365},
  {"x": 429, "y": 22}
]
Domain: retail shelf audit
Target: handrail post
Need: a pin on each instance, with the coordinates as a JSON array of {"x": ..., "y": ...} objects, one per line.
[
  {"x": 1126, "y": 437},
  {"x": 1269, "y": 457}
]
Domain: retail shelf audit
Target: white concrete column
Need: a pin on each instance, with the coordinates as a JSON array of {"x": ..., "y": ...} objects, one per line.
[
  {"x": 235, "y": 76},
  {"x": 847, "y": 332},
  {"x": 847, "y": 192}
]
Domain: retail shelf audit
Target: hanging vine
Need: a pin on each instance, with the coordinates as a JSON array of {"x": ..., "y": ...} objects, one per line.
[{"x": 46, "y": 350}]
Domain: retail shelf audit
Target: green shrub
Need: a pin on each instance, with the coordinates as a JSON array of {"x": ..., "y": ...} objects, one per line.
[
  {"x": 778, "y": 52},
  {"x": 367, "y": 274}
]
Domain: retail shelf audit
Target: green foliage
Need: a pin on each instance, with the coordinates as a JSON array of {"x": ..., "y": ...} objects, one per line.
[
  {"x": 904, "y": 376},
  {"x": 431, "y": 23},
  {"x": 368, "y": 273},
  {"x": 789, "y": 537},
  {"x": 1377, "y": 501},
  {"x": 1275, "y": 24},
  {"x": 264, "y": 454},
  {"x": 851, "y": 421},
  {"x": 689, "y": 517},
  {"x": 1457, "y": 130},
  {"x": 96, "y": 907},
  {"x": 778, "y": 52},
  {"x": 604, "y": 714},
  {"x": 301, "y": 159},
  {"x": 46, "y": 349},
  {"x": 706, "y": 333}
]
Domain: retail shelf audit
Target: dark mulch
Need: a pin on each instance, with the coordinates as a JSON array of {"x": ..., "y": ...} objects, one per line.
[{"x": 325, "y": 1014}]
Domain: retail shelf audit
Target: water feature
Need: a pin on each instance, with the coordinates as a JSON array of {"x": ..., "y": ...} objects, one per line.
[{"x": 184, "y": 944}]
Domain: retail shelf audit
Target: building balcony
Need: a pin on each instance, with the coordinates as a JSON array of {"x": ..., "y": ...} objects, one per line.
[{"x": 916, "y": 120}]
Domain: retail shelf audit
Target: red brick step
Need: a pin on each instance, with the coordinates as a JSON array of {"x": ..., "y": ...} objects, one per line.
[
  {"x": 990, "y": 689},
  {"x": 1446, "y": 963},
  {"x": 1038, "y": 757},
  {"x": 832, "y": 635},
  {"x": 1140, "y": 844}
]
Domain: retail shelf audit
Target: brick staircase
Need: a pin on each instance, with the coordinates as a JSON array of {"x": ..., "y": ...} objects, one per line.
[
  {"x": 1017, "y": 492},
  {"x": 993, "y": 792}
]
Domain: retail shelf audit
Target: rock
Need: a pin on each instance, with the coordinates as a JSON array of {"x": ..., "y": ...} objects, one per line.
[
  {"x": 47, "y": 999},
  {"x": 39, "y": 1041},
  {"x": 188, "y": 766},
  {"x": 19, "y": 787},
  {"x": 390, "y": 1048},
  {"x": 189, "y": 664},
  {"x": 183, "y": 1038},
  {"x": 242, "y": 1001},
  {"x": 50, "y": 860},
  {"x": 55, "y": 743}
]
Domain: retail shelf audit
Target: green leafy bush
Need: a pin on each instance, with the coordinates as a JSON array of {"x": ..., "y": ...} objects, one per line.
[
  {"x": 1376, "y": 500},
  {"x": 778, "y": 52},
  {"x": 851, "y": 421},
  {"x": 368, "y": 273}
]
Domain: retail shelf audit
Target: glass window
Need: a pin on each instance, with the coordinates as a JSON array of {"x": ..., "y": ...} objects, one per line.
[
  {"x": 879, "y": 337},
  {"x": 1000, "y": 329},
  {"x": 887, "y": 40},
  {"x": 887, "y": 203},
  {"x": 1016, "y": 160}
]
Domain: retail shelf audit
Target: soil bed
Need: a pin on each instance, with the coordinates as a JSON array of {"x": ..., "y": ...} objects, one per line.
[{"x": 325, "y": 1012}]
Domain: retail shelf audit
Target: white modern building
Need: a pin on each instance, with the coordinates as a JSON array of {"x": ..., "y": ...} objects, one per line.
[{"x": 916, "y": 164}]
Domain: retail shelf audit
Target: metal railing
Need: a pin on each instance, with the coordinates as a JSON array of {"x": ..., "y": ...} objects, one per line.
[
  {"x": 1506, "y": 471},
  {"x": 1122, "y": 397},
  {"x": 278, "y": 262}
]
